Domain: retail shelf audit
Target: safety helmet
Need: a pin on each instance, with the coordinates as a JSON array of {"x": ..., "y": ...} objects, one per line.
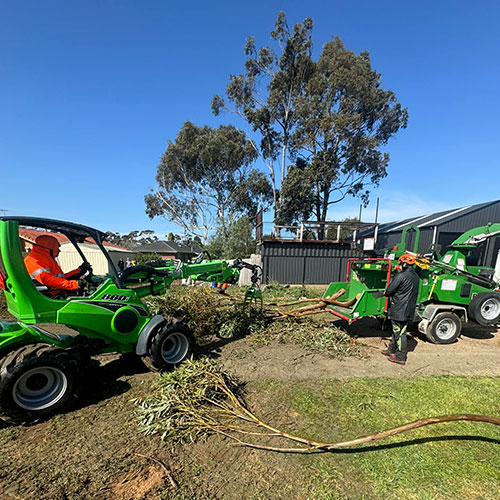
[
  {"x": 406, "y": 258},
  {"x": 49, "y": 242}
]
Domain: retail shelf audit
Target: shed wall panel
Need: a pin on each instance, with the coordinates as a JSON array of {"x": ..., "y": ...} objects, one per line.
[{"x": 309, "y": 263}]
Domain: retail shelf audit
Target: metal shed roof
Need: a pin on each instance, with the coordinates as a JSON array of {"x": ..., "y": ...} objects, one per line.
[{"x": 435, "y": 219}]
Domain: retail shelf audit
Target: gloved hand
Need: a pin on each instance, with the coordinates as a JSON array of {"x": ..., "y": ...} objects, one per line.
[
  {"x": 85, "y": 266},
  {"x": 83, "y": 286},
  {"x": 377, "y": 295}
]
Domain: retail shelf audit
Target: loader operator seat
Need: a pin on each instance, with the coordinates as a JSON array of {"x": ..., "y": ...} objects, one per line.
[{"x": 44, "y": 290}]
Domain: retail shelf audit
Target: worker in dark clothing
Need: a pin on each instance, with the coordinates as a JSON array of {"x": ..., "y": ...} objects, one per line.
[{"x": 403, "y": 293}]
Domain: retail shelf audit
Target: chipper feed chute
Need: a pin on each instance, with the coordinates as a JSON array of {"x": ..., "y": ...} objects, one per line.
[{"x": 364, "y": 278}]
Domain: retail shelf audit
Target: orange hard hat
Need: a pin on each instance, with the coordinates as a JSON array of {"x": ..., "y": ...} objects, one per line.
[
  {"x": 49, "y": 242},
  {"x": 406, "y": 258}
]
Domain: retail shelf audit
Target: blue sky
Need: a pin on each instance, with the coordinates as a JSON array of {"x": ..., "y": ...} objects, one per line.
[{"x": 90, "y": 93}]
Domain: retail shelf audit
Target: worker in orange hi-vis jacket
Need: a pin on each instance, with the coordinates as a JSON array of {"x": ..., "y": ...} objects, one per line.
[{"x": 42, "y": 265}]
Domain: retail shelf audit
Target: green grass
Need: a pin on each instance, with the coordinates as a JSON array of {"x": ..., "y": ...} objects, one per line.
[{"x": 448, "y": 461}]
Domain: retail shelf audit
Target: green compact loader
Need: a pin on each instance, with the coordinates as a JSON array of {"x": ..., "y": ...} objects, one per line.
[
  {"x": 40, "y": 370},
  {"x": 451, "y": 291}
]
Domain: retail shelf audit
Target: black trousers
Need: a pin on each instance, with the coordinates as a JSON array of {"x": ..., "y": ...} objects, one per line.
[{"x": 397, "y": 345}]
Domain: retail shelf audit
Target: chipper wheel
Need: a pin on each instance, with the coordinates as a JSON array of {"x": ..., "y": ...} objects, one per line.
[
  {"x": 445, "y": 328},
  {"x": 170, "y": 346},
  {"x": 484, "y": 308},
  {"x": 36, "y": 381}
]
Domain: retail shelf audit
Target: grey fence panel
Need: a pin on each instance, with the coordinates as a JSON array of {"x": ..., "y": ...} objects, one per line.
[{"x": 306, "y": 262}]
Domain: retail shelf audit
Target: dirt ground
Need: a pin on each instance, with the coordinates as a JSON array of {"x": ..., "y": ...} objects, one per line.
[
  {"x": 476, "y": 353},
  {"x": 95, "y": 450}
]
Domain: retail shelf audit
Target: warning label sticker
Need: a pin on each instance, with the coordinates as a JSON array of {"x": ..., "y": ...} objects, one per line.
[{"x": 450, "y": 285}]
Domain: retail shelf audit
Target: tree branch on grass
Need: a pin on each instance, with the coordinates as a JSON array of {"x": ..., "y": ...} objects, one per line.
[{"x": 199, "y": 399}]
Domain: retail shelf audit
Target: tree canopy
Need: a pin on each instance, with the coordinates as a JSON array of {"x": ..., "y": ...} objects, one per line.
[
  {"x": 205, "y": 177},
  {"x": 234, "y": 241},
  {"x": 271, "y": 110},
  {"x": 132, "y": 239},
  {"x": 323, "y": 122},
  {"x": 343, "y": 118}
]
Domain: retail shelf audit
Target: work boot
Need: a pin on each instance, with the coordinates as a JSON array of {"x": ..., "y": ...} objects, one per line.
[
  {"x": 386, "y": 352},
  {"x": 393, "y": 359}
]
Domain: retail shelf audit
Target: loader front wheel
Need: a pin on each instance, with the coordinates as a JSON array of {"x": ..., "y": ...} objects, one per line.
[
  {"x": 170, "y": 346},
  {"x": 36, "y": 381},
  {"x": 445, "y": 328}
]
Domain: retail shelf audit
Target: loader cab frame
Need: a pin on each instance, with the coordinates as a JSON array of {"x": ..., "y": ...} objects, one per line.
[{"x": 24, "y": 301}]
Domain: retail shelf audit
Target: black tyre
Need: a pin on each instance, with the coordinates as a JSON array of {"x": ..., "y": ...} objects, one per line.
[
  {"x": 170, "y": 346},
  {"x": 484, "y": 308},
  {"x": 36, "y": 381},
  {"x": 445, "y": 328}
]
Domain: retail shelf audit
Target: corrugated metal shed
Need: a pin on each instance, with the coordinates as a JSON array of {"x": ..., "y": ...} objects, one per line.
[
  {"x": 308, "y": 262},
  {"x": 443, "y": 228}
]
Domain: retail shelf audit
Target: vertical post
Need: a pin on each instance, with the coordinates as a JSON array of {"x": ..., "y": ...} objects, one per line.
[
  {"x": 360, "y": 209},
  {"x": 434, "y": 235},
  {"x": 301, "y": 231},
  {"x": 376, "y": 212},
  {"x": 354, "y": 235},
  {"x": 375, "y": 234}
]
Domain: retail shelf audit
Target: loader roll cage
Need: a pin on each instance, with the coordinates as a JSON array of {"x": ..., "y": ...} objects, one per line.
[
  {"x": 76, "y": 233},
  {"x": 25, "y": 300}
]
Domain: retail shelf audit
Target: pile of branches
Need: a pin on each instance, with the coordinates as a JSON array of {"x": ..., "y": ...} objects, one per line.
[
  {"x": 206, "y": 312},
  {"x": 199, "y": 399},
  {"x": 317, "y": 337},
  {"x": 210, "y": 314},
  {"x": 308, "y": 307}
]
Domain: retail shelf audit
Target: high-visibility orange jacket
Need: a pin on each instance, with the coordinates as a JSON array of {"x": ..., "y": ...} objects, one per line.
[{"x": 44, "y": 268}]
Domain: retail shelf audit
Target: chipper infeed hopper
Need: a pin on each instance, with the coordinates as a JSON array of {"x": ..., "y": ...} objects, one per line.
[{"x": 364, "y": 278}]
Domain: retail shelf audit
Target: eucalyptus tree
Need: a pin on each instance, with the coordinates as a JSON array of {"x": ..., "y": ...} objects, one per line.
[
  {"x": 266, "y": 93},
  {"x": 206, "y": 177},
  {"x": 329, "y": 119},
  {"x": 343, "y": 120}
]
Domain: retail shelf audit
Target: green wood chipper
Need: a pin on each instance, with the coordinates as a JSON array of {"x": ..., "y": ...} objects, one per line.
[{"x": 451, "y": 291}]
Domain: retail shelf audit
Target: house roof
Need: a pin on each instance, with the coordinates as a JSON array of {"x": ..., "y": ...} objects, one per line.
[
  {"x": 434, "y": 219},
  {"x": 171, "y": 247},
  {"x": 31, "y": 235}
]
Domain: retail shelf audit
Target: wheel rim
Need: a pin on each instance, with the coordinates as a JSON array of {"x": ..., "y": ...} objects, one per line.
[
  {"x": 446, "y": 329},
  {"x": 175, "y": 348},
  {"x": 490, "y": 309},
  {"x": 40, "y": 388}
]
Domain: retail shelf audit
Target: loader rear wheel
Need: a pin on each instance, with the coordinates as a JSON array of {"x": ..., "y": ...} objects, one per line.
[
  {"x": 36, "y": 381},
  {"x": 484, "y": 308},
  {"x": 445, "y": 328},
  {"x": 170, "y": 346}
]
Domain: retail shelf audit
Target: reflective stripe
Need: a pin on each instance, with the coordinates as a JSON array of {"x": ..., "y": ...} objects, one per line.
[
  {"x": 59, "y": 275},
  {"x": 34, "y": 274}
]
